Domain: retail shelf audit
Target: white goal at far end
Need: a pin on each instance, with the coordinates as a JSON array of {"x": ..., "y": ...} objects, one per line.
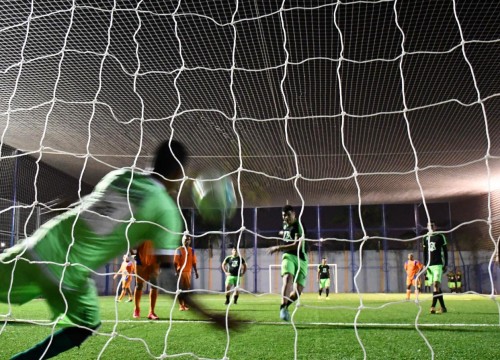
[{"x": 311, "y": 282}]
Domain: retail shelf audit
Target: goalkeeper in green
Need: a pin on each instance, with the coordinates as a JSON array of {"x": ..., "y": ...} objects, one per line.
[{"x": 124, "y": 209}]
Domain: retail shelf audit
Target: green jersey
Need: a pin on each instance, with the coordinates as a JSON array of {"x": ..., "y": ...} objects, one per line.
[
  {"x": 124, "y": 209},
  {"x": 290, "y": 234},
  {"x": 324, "y": 271},
  {"x": 234, "y": 263}
]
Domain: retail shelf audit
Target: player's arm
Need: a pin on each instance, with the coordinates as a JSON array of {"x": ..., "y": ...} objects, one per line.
[
  {"x": 426, "y": 255},
  {"x": 223, "y": 267},
  {"x": 445, "y": 253},
  {"x": 244, "y": 267},
  {"x": 177, "y": 261},
  {"x": 194, "y": 266},
  {"x": 295, "y": 245},
  {"x": 318, "y": 274}
]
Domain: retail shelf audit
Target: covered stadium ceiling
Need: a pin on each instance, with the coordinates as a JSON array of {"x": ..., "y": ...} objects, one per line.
[{"x": 321, "y": 101}]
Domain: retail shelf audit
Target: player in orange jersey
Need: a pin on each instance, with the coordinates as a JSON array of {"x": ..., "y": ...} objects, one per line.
[
  {"x": 127, "y": 269},
  {"x": 147, "y": 269},
  {"x": 185, "y": 263},
  {"x": 412, "y": 268}
]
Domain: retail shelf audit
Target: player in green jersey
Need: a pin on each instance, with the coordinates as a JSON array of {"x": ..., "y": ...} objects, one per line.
[
  {"x": 436, "y": 262},
  {"x": 293, "y": 267},
  {"x": 124, "y": 209},
  {"x": 234, "y": 267},
  {"x": 324, "y": 278}
]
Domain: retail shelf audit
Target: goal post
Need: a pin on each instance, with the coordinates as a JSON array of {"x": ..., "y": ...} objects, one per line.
[{"x": 275, "y": 278}]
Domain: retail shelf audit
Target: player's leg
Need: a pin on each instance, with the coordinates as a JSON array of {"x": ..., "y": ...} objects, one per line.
[
  {"x": 124, "y": 290},
  {"x": 408, "y": 287},
  {"x": 228, "y": 289},
  {"x": 153, "y": 294},
  {"x": 320, "y": 291},
  {"x": 327, "y": 287},
  {"x": 286, "y": 288},
  {"x": 139, "y": 285},
  {"x": 237, "y": 283},
  {"x": 440, "y": 298},
  {"x": 437, "y": 294},
  {"x": 185, "y": 284},
  {"x": 130, "y": 294},
  {"x": 417, "y": 283},
  {"x": 82, "y": 310},
  {"x": 430, "y": 281},
  {"x": 299, "y": 279}
]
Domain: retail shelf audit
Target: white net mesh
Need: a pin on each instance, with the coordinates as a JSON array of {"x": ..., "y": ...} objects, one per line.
[{"x": 313, "y": 103}]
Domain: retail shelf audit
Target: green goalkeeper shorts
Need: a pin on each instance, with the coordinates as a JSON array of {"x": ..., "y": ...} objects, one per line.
[{"x": 291, "y": 264}]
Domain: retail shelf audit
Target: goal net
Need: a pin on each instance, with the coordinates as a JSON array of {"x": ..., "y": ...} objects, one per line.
[
  {"x": 312, "y": 278},
  {"x": 371, "y": 117}
]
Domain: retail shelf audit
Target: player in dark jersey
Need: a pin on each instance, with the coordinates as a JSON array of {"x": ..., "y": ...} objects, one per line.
[
  {"x": 324, "y": 278},
  {"x": 294, "y": 260},
  {"x": 234, "y": 267},
  {"x": 436, "y": 261}
]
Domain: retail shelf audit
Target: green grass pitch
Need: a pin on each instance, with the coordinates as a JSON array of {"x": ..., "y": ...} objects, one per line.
[{"x": 386, "y": 328}]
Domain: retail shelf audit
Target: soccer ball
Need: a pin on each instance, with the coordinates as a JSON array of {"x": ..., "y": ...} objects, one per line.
[{"x": 214, "y": 197}]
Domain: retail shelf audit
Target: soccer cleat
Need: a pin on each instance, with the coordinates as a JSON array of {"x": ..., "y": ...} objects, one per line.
[
  {"x": 182, "y": 308},
  {"x": 153, "y": 316},
  {"x": 129, "y": 300},
  {"x": 227, "y": 302},
  {"x": 137, "y": 314},
  {"x": 327, "y": 298},
  {"x": 186, "y": 308},
  {"x": 433, "y": 310},
  {"x": 284, "y": 314},
  {"x": 443, "y": 310},
  {"x": 319, "y": 297}
]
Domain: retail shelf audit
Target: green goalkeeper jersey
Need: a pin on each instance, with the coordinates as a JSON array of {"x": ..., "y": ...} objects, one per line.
[{"x": 124, "y": 209}]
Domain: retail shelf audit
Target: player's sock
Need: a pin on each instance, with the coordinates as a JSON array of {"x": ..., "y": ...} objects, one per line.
[
  {"x": 236, "y": 299},
  {"x": 327, "y": 291},
  {"x": 153, "y": 295},
  {"x": 408, "y": 293},
  {"x": 441, "y": 300},
  {"x": 227, "y": 300},
  {"x": 62, "y": 340},
  {"x": 137, "y": 298},
  {"x": 434, "y": 299},
  {"x": 320, "y": 291}
]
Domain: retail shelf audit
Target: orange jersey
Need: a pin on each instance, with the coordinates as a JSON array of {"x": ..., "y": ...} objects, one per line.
[
  {"x": 412, "y": 268},
  {"x": 180, "y": 259},
  {"x": 145, "y": 254}
]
